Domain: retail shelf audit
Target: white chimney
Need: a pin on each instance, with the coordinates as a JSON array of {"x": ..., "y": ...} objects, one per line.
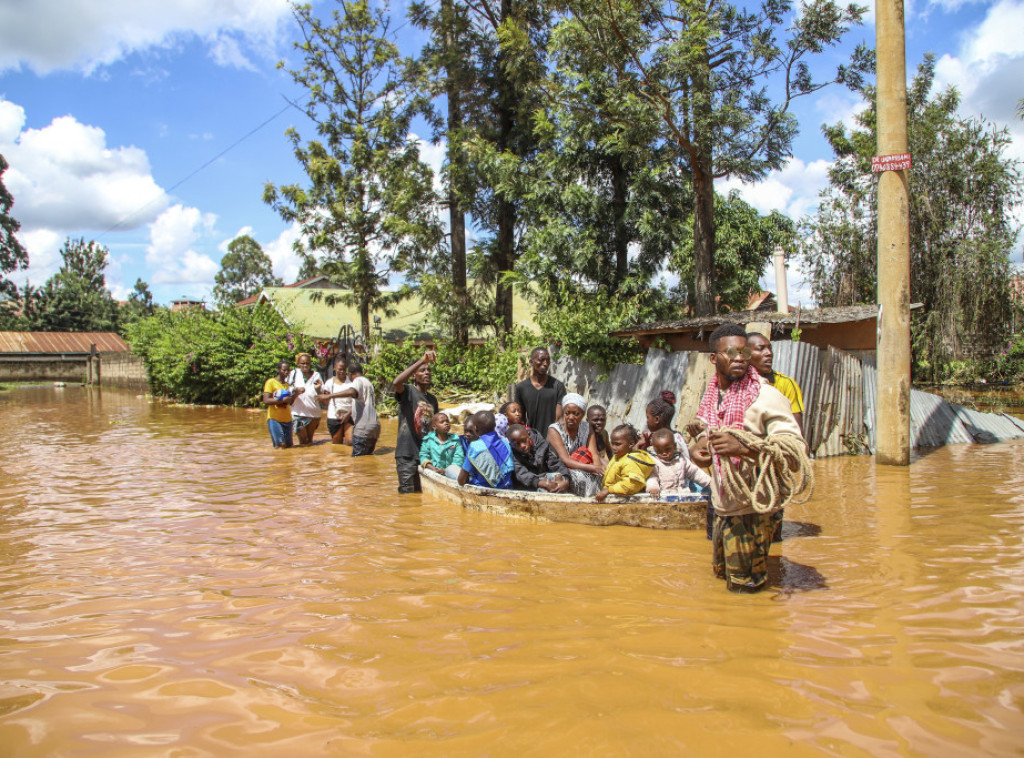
[{"x": 781, "y": 293}]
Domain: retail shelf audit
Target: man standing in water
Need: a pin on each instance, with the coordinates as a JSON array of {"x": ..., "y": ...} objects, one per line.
[
  {"x": 737, "y": 397},
  {"x": 541, "y": 395},
  {"x": 416, "y": 406},
  {"x": 761, "y": 359}
]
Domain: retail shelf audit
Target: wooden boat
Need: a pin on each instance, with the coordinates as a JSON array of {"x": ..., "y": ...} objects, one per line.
[{"x": 688, "y": 512}]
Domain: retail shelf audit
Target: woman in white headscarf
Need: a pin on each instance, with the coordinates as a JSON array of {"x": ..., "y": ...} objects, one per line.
[{"x": 576, "y": 445}]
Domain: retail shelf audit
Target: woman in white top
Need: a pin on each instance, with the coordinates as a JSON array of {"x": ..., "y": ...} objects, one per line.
[
  {"x": 339, "y": 408},
  {"x": 306, "y": 408}
]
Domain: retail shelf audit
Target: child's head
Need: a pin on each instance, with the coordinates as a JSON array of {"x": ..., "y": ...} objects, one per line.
[
  {"x": 660, "y": 411},
  {"x": 597, "y": 417},
  {"x": 484, "y": 421},
  {"x": 469, "y": 430},
  {"x": 514, "y": 412},
  {"x": 664, "y": 443},
  {"x": 520, "y": 438},
  {"x": 622, "y": 440},
  {"x": 441, "y": 424}
]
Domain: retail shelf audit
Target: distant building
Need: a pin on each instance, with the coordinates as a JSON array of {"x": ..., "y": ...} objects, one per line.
[{"x": 184, "y": 303}]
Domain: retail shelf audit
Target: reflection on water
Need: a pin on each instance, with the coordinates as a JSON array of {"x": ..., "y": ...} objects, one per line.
[{"x": 170, "y": 585}]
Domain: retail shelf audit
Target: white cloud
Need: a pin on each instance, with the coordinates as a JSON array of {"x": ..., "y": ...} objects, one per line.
[
  {"x": 171, "y": 255},
  {"x": 64, "y": 177},
  {"x": 793, "y": 189},
  {"x": 433, "y": 155},
  {"x": 46, "y": 35},
  {"x": 286, "y": 262}
]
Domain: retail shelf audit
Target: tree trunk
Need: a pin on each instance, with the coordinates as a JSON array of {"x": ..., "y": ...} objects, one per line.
[
  {"x": 364, "y": 319},
  {"x": 704, "y": 238},
  {"x": 456, "y": 171},
  {"x": 504, "y": 253},
  {"x": 621, "y": 240}
]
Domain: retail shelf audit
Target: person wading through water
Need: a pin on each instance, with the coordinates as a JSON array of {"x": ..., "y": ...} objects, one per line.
[
  {"x": 761, "y": 357},
  {"x": 738, "y": 398}
]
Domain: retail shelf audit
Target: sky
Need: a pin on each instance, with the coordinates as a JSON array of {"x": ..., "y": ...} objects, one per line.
[{"x": 152, "y": 126}]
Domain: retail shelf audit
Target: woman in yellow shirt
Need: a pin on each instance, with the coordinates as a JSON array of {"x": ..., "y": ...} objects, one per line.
[{"x": 278, "y": 397}]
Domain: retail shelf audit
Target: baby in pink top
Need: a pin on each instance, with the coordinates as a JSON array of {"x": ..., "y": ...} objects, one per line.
[{"x": 673, "y": 471}]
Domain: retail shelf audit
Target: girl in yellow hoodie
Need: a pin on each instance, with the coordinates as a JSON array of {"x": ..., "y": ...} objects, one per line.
[{"x": 628, "y": 469}]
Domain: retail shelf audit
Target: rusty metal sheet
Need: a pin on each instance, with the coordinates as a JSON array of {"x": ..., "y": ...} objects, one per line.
[
  {"x": 801, "y": 362},
  {"x": 988, "y": 427},
  {"x": 61, "y": 342},
  {"x": 838, "y": 425}
]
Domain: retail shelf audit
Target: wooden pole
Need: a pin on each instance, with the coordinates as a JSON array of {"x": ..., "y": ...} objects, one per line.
[{"x": 893, "y": 421}]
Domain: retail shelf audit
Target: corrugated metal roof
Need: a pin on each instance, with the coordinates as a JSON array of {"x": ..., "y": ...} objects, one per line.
[
  {"x": 934, "y": 423},
  {"x": 61, "y": 342},
  {"x": 306, "y": 309},
  {"x": 988, "y": 427}
]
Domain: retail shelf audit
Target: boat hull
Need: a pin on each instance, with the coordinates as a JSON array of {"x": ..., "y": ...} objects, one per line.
[{"x": 638, "y": 510}]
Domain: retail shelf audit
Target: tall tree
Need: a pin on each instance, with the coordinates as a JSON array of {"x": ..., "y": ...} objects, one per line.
[
  {"x": 369, "y": 206},
  {"x": 140, "y": 305},
  {"x": 76, "y": 298},
  {"x": 244, "y": 270},
  {"x": 722, "y": 78},
  {"x": 744, "y": 243},
  {"x": 446, "y": 69},
  {"x": 13, "y": 255},
  {"x": 964, "y": 191}
]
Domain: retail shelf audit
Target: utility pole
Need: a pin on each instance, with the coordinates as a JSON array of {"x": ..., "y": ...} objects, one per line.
[{"x": 893, "y": 161}]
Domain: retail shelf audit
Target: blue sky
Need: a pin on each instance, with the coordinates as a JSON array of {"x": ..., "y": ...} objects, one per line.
[{"x": 106, "y": 108}]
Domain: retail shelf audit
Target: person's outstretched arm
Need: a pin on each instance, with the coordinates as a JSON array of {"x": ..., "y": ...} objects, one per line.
[{"x": 399, "y": 382}]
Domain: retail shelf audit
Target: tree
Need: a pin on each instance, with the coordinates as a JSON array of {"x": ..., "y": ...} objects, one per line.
[
  {"x": 140, "y": 305},
  {"x": 368, "y": 208},
  {"x": 744, "y": 243},
  {"x": 963, "y": 194},
  {"x": 707, "y": 68},
  {"x": 13, "y": 255},
  {"x": 244, "y": 270},
  {"x": 76, "y": 298}
]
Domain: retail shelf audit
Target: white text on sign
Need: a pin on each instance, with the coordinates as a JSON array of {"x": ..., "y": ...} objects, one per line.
[{"x": 898, "y": 162}]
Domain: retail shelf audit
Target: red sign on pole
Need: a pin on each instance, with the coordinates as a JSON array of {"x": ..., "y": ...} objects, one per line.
[{"x": 898, "y": 162}]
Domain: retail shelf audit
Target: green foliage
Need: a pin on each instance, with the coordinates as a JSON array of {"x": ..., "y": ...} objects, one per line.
[
  {"x": 963, "y": 194},
  {"x": 744, "y": 243},
  {"x": 13, "y": 255},
  {"x": 578, "y": 321},
  {"x": 76, "y": 298},
  {"x": 367, "y": 208},
  {"x": 483, "y": 369},
  {"x": 1008, "y": 365},
  {"x": 140, "y": 305},
  {"x": 244, "y": 270},
  {"x": 224, "y": 357},
  {"x": 720, "y": 79}
]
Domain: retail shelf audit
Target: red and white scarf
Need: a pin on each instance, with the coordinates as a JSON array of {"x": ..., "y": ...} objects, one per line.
[{"x": 740, "y": 395}]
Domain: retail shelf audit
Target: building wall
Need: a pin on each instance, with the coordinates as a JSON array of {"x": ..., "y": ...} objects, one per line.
[
  {"x": 55, "y": 368},
  {"x": 116, "y": 369},
  {"x": 123, "y": 370}
]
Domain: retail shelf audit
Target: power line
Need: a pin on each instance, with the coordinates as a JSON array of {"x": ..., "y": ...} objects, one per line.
[{"x": 180, "y": 182}]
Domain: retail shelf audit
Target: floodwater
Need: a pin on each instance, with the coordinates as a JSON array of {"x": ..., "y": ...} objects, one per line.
[{"x": 172, "y": 586}]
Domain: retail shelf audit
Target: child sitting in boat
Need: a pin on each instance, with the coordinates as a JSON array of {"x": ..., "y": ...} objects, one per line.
[
  {"x": 513, "y": 411},
  {"x": 488, "y": 461},
  {"x": 629, "y": 469},
  {"x": 673, "y": 471},
  {"x": 537, "y": 466},
  {"x": 441, "y": 450}
]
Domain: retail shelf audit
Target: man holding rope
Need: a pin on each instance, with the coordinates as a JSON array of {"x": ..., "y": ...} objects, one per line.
[{"x": 759, "y": 460}]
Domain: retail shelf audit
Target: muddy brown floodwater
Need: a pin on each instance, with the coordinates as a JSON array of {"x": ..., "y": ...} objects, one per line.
[{"x": 172, "y": 586}]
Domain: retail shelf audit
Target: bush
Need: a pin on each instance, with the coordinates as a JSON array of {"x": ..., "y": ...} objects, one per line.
[
  {"x": 482, "y": 369},
  {"x": 224, "y": 358},
  {"x": 1008, "y": 366}
]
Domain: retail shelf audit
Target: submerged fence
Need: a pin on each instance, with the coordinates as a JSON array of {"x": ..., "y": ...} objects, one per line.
[{"x": 839, "y": 394}]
